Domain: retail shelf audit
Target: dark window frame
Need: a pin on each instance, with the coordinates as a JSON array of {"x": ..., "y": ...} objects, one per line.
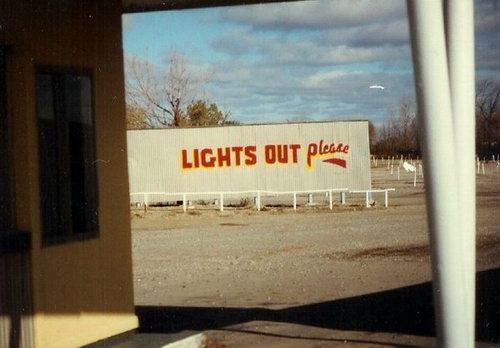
[
  {"x": 11, "y": 239},
  {"x": 7, "y": 218},
  {"x": 65, "y": 232}
]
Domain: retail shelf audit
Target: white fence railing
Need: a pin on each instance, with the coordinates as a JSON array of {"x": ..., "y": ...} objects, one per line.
[{"x": 258, "y": 194}]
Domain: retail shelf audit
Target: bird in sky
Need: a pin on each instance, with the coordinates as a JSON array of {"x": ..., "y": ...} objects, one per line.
[{"x": 377, "y": 87}]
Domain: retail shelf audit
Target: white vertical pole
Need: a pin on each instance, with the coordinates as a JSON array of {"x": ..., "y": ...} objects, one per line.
[
  {"x": 258, "y": 200},
  {"x": 342, "y": 197},
  {"x": 386, "y": 202},
  {"x": 415, "y": 178},
  {"x": 367, "y": 200},
  {"x": 221, "y": 202},
  {"x": 435, "y": 119},
  {"x": 398, "y": 173},
  {"x": 459, "y": 19},
  {"x": 392, "y": 169},
  {"x": 330, "y": 195},
  {"x": 184, "y": 202},
  {"x": 310, "y": 198},
  {"x": 295, "y": 201},
  {"x": 482, "y": 168}
]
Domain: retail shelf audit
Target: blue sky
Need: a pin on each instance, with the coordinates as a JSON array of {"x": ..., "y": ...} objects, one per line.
[{"x": 301, "y": 61}]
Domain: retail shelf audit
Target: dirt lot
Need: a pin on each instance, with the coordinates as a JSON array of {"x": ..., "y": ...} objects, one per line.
[{"x": 279, "y": 259}]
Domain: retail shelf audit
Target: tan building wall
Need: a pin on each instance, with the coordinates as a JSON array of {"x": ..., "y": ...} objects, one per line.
[{"x": 82, "y": 290}]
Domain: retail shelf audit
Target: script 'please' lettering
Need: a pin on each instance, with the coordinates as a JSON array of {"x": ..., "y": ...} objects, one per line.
[{"x": 322, "y": 149}]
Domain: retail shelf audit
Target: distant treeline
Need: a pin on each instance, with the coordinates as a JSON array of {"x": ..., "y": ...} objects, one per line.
[{"x": 400, "y": 133}]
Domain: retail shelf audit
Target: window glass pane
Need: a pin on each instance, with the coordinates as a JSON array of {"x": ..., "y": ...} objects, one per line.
[
  {"x": 78, "y": 100},
  {"x": 68, "y": 178},
  {"x": 48, "y": 152}
]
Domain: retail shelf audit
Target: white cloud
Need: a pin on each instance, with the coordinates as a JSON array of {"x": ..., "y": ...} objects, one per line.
[
  {"x": 393, "y": 32},
  {"x": 487, "y": 16},
  {"x": 325, "y": 79},
  {"x": 279, "y": 50},
  {"x": 261, "y": 93},
  {"x": 487, "y": 35},
  {"x": 315, "y": 14}
]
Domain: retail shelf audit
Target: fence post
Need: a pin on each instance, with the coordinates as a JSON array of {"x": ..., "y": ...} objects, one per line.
[
  {"x": 386, "y": 202},
  {"x": 295, "y": 201},
  {"x": 146, "y": 203},
  {"x": 184, "y": 208},
  {"x": 342, "y": 197},
  {"x": 367, "y": 199},
  {"x": 331, "y": 199},
  {"x": 221, "y": 202},
  {"x": 258, "y": 200}
]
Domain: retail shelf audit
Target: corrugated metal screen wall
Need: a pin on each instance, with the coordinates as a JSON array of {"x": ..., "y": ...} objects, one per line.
[{"x": 279, "y": 157}]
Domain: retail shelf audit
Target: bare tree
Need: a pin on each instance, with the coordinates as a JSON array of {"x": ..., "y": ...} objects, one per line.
[
  {"x": 487, "y": 117},
  {"x": 407, "y": 123},
  {"x": 372, "y": 135},
  {"x": 136, "y": 118},
  {"x": 177, "y": 88},
  {"x": 161, "y": 94},
  {"x": 157, "y": 99},
  {"x": 399, "y": 135}
]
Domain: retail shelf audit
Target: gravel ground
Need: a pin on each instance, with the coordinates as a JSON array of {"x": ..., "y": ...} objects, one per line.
[{"x": 279, "y": 258}]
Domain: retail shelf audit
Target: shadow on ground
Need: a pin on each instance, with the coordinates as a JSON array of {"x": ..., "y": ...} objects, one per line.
[{"x": 407, "y": 310}]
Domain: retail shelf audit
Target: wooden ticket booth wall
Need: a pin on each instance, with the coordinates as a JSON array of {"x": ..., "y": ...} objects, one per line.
[{"x": 65, "y": 262}]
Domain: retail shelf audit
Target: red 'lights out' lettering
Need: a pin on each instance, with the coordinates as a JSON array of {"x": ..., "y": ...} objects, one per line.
[
  {"x": 219, "y": 157},
  {"x": 283, "y": 154},
  {"x": 271, "y": 154}
]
